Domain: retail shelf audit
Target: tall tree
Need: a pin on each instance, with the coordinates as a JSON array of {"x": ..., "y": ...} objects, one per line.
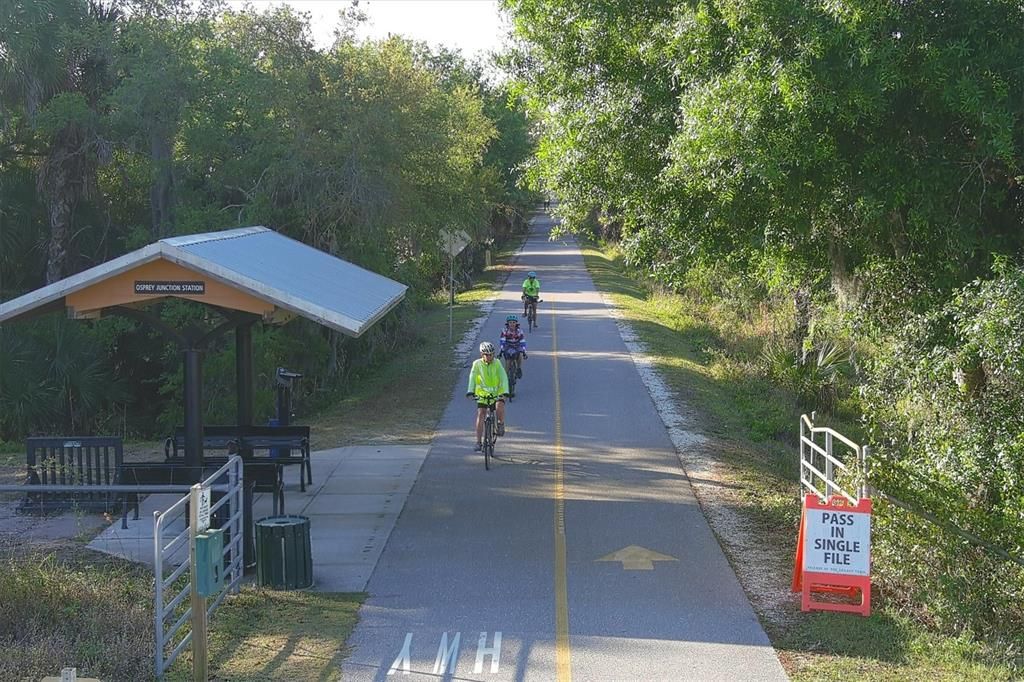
[
  {"x": 849, "y": 136},
  {"x": 157, "y": 78},
  {"x": 55, "y": 67}
]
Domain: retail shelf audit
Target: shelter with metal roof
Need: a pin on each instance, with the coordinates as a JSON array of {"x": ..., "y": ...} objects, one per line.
[
  {"x": 250, "y": 269},
  {"x": 247, "y": 274}
]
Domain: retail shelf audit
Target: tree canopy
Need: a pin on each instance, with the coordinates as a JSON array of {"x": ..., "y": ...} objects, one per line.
[
  {"x": 855, "y": 137},
  {"x": 124, "y": 122}
]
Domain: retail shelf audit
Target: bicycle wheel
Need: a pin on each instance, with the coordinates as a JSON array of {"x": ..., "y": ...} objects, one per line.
[
  {"x": 510, "y": 369},
  {"x": 531, "y": 316},
  {"x": 488, "y": 441}
]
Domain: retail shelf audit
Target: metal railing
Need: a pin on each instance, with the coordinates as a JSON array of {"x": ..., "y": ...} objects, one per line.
[
  {"x": 820, "y": 460},
  {"x": 171, "y": 553},
  {"x": 815, "y": 456}
]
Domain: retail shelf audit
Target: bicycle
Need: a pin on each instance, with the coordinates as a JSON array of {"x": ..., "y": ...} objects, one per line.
[
  {"x": 531, "y": 313},
  {"x": 512, "y": 364},
  {"x": 490, "y": 429}
]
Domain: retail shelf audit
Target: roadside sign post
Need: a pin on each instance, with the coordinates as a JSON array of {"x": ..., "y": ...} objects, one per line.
[
  {"x": 834, "y": 554},
  {"x": 199, "y": 520},
  {"x": 451, "y": 293},
  {"x": 454, "y": 242}
]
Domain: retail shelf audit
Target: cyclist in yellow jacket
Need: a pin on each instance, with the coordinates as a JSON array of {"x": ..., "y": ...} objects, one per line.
[
  {"x": 531, "y": 291},
  {"x": 487, "y": 380}
]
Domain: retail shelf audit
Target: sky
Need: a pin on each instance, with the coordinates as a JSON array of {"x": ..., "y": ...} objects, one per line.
[{"x": 473, "y": 26}]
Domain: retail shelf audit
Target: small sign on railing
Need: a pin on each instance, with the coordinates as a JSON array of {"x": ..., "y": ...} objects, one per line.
[{"x": 203, "y": 513}]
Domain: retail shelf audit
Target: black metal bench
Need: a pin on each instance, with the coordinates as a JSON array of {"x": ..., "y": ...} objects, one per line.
[
  {"x": 280, "y": 442},
  {"x": 264, "y": 476},
  {"x": 274, "y": 440},
  {"x": 152, "y": 473},
  {"x": 214, "y": 438},
  {"x": 72, "y": 460}
]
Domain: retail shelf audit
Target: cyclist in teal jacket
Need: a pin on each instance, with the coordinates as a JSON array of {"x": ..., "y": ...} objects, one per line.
[{"x": 487, "y": 380}]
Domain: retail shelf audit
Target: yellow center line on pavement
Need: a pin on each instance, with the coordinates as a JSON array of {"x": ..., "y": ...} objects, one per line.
[{"x": 563, "y": 670}]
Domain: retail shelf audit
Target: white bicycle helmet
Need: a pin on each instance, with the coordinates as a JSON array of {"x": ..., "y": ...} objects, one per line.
[{"x": 487, "y": 347}]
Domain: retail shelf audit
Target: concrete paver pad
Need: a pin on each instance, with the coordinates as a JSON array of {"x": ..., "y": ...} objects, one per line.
[
  {"x": 329, "y": 504},
  {"x": 347, "y": 529}
]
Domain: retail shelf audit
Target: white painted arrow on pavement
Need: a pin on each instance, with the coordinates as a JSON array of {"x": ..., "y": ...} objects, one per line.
[{"x": 636, "y": 558}]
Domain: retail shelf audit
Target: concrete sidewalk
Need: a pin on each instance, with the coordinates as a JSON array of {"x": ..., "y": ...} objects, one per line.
[{"x": 353, "y": 503}]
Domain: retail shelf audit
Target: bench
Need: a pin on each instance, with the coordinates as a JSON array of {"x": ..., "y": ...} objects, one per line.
[
  {"x": 264, "y": 476},
  {"x": 155, "y": 474},
  {"x": 279, "y": 442},
  {"x": 214, "y": 438},
  {"x": 72, "y": 460}
]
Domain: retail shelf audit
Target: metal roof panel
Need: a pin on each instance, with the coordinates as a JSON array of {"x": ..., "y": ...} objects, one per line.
[
  {"x": 51, "y": 293},
  {"x": 286, "y": 272},
  {"x": 293, "y": 275}
]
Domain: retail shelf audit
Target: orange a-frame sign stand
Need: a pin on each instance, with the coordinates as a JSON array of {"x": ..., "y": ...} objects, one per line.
[{"x": 834, "y": 563}]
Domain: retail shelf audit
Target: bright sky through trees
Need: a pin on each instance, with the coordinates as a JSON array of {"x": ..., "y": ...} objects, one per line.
[{"x": 473, "y": 26}]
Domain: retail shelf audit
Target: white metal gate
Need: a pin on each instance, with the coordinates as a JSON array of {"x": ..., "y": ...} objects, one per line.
[
  {"x": 825, "y": 456},
  {"x": 171, "y": 555}
]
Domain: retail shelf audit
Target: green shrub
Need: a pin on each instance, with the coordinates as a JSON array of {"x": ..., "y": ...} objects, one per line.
[
  {"x": 55, "y": 377},
  {"x": 815, "y": 378},
  {"x": 944, "y": 408}
]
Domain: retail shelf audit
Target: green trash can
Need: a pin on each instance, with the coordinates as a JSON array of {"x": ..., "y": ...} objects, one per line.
[{"x": 284, "y": 559}]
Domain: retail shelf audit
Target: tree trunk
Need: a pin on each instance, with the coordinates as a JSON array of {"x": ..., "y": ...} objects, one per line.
[
  {"x": 60, "y": 202},
  {"x": 61, "y": 182},
  {"x": 161, "y": 194},
  {"x": 802, "y": 300},
  {"x": 898, "y": 233},
  {"x": 337, "y": 358},
  {"x": 845, "y": 285}
]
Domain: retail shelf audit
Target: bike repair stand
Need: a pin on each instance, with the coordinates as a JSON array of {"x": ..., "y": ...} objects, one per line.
[{"x": 286, "y": 381}]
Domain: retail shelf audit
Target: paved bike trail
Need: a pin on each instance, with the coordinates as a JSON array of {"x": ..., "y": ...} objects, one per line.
[{"x": 582, "y": 553}]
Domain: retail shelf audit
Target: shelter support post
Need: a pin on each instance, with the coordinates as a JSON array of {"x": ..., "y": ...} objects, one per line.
[
  {"x": 244, "y": 374},
  {"x": 193, "y": 362},
  {"x": 244, "y": 417},
  {"x": 248, "y": 529}
]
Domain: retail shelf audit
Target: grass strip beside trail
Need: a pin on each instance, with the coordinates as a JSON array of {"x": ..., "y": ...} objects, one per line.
[
  {"x": 705, "y": 357},
  {"x": 66, "y": 606},
  {"x": 261, "y": 634}
]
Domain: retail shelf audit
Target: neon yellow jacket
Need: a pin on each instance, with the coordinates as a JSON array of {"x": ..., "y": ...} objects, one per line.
[
  {"x": 531, "y": 288},
  {"x": 487, "y": 379}
]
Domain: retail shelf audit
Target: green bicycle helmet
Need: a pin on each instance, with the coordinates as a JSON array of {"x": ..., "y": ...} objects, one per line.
[{"x": 512, "y": 318}]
